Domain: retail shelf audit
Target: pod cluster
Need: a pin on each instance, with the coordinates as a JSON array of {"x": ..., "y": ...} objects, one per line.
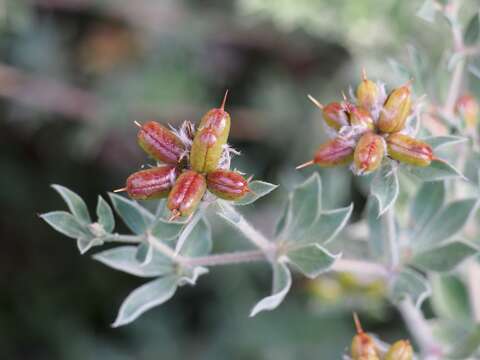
[
  {"x": 364, "y": 348},
  {"x": 369, "y": 127},
  {"x": 189, "y": 162}
]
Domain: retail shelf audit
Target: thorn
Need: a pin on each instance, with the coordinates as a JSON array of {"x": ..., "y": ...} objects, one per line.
[
  {"x": 222, "y": 107},
  {"x": 316, "y": 102},
  {"x": 364, "y": 74},
  {"x": 138, "y": 124},
  {"x": 175, "y": 215},
  {"x": 120, "y": 190},
  {"x": 358, "y": 326},
  {"x": 304, "y": 165}
]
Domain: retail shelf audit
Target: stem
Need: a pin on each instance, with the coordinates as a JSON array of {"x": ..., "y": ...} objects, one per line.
[
  {"x": 420, "y": 330},
  {"x": 123, "y": 238},
  {"x": 225, "y": 259},
  {"x": 389, "y": 219}
]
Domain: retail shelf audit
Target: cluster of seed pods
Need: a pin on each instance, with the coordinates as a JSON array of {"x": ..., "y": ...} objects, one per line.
[
  {"x": 369, "y": 128},
  {"x": 364, "y": 348},
  {"x": 189, "y": 167}
]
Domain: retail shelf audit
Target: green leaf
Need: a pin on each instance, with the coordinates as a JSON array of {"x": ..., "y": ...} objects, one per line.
[
  {"x": 105, "y": 215},
  {"x": 144, "y": 253},
  {"x": 75, "y": 203},
  {"x": 199, "y": 241},
  {"x": 311, "y": 260},
  {"x": 305, "y": 206},
  {"x": 437, "y": 142},
  {"x": 472, "y": 31},
  {"x": 427, "y": 11},
  {"x": 282, "y": 281},
  {"x": 445, "y": 257},
  {"x": 65, "y": 223},
  {"x": 466, "y": 347},
  {"x": 448, "y": 222},
  {"x": 378, "y": 233},
  {"x": 166, "y": 230},
  {"x": 409, "y": 283},
  {"x": 258, "y": 190},
  {"x": 123, "y": 258},
  {"x": 438, "y": 170},
  {"x": 135, "y": 217},
  {"x": 328, "y": 225},
  {"x": 450, "y": 298},
  {"x": 85, "y": 244},
  {"x": 427, "y": 202},
  {"x": 282, "y": 222},
  {"x": 144, "y": 298},
  {"x": 385, "y": 187}
]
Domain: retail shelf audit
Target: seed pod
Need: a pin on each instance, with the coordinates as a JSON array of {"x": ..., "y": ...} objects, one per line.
[
  {"x": 186, "y": 193},
  {"x": 368, "y": 153},
  {"x": 400, "y": 350},
  {"x": 208, "y": 142},
  {"x": 334, "y": 152},
  {"x": 359, "y": 116},
  {"x": 468, "y": 107},
  {"x": 335, "y": 115},
  {"x": 160, "y": 143},
  {"x": 363, "y": 346},
  {"x": 396, "y": 109},
  {"x": 152, "y": 183},
  {"x": 226, "y": 184},
  {"x": 367, "y": 92},
  {"x": 409, "y": 150}
]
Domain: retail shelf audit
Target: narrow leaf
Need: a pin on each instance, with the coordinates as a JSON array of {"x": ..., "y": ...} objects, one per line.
[
  {"x": 144, "y": 298},
  {"x": 105, "y": 215},
  {"x": 282, "y": 281},
  {"x": 75, "y": 203},
  {"x": 328, "y": 225},
  {"x": 445, "y": 257},
  {"x": 437, "y": 142},
  {"x": 199, "y": 241},
  {"x": 135, "y": 217},
  {"x": 311, "y": 260},
  {"x": 427, "y": 202},
  {"x": 438, "y": 170},
  {"x": 64, "y": 223},
  {"x": 448, "y": 222},
  {"x": 385, "y": 187},
  {"x": 409, "y": 283},
  {"x": 123, "y": 258},
  {"x": 258, "y": 189}
]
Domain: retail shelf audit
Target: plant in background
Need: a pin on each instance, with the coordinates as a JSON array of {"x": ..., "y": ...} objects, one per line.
[{"x": 416, "y": 238}]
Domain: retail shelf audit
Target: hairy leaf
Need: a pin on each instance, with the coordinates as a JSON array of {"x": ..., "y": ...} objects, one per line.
[
  {"x": 385, "y": 187},
  {"x": 258, "y": 190},
  {"x": 427, "y": 202},
  {"x": 199, "y": 241},
  {"x": 105, "y": 215},
  {"x": 135, "y": 217},
  {"x": 75, "y": 203},
  {"x": 438, "y": 170},
  {"x": 409, "y": 283},
  {"x": 445, "y": 257},
  {"x": 327, "y": 226},
  {"x": 437, "y": 142},
  {"x": 450, "y": 298},
  {"x": 65, "y": 223},
  {"x": 166, "y": 230},
  {"x": 311, "y": 260},
  {"x": 144, "y": 298},
  {"x": 472, "y": 31}
]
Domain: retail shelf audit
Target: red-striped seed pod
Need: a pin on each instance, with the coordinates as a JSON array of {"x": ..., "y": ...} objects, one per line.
[
  {"x": 226, "y": 184},
  {"x": 368, "y": 153},
  {"x": 152, "y": 183},
  {"x": 334, "y": 114},
  {"x": 332, "y": 153},
  {"x": 186, "y": 193},
  {"x": 363, "y": 347},
  {"x": 468, "y": 108},
  {"x": 396, "y": 110},
  {"x": 367, "y": 92},
  {"x": 400, "y": 350},
  {"x": 409, "y": 150},
  {"x": 160, "y": 143},
  {"x": 209, "y": 139},
  {"x": 359, "y": 116}
]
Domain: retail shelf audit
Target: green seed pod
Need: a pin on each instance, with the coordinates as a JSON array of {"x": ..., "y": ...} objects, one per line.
[
  {"x": 208, "y": 142},
  {"x": 160, "y": 143},
  {"x": 152, "y": 183},
  {"x": 409, "y": 150},
  {"x": 396, "y": 109},
  {"x": 367, "y": 92},
  {"x": 335, "y": 115},
  {"x": 226, "y": 184},
  {"x": 368, "y": 153},
  {"x": 359, "y": 116},
  {"x": 186, "y": 193},
  {"x": 363, "y": 347},
  {"x": 400, "y": 350}
]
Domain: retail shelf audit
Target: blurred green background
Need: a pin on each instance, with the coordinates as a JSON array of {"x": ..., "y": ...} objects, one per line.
[{"x": 75, "y": 74}]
